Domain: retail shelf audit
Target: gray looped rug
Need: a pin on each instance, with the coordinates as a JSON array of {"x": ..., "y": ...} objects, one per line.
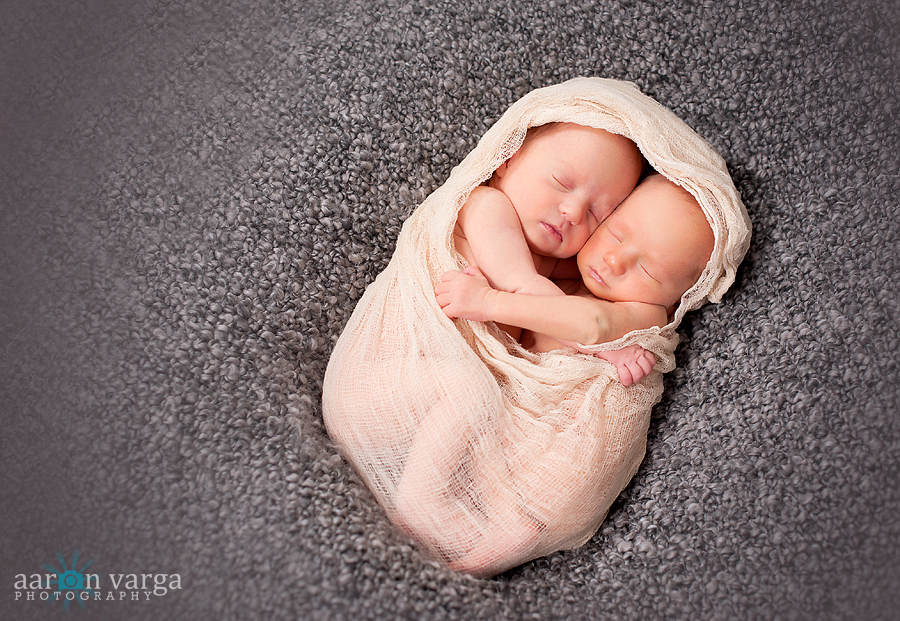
[{"x": 193, "y": 195}]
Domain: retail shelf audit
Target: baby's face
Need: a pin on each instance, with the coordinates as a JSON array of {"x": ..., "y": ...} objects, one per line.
[
  {"x": 651, "y": 249},
  {"x": 564, "y": 182}
]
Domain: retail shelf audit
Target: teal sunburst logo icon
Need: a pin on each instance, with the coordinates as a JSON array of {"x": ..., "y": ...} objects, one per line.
[{"x": 70, "y": 583}]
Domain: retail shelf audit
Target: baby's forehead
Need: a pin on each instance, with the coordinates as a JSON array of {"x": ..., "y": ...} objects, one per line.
[
  {"x": 664, "y": 205},
  {"x": 562, "y": 132},
  {"x": 666, "y": 198}
]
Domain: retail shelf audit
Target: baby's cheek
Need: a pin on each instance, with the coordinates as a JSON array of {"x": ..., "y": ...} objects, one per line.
[{"x": 585, "y": 235}]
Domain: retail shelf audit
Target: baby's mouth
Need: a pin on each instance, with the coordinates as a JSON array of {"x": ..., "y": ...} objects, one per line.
[
  {"x": 596, "y": 276},
  {"x": 554, "y": 232}
]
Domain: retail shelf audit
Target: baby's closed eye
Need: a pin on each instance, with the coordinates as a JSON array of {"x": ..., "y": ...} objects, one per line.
[
  {"x": 647, "y": 272},
  {"x": 562, "y": 183}
]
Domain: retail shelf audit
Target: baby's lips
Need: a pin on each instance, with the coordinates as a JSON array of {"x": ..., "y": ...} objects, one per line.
[{"x": 555, "y": 232}]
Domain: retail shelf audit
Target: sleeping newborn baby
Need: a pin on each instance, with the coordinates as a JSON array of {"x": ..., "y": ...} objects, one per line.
[{"x": 491, "y": 451}]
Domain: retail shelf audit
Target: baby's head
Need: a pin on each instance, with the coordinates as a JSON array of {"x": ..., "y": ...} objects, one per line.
[
  {"x": 564, "y": 181},
  {"x": 651, "y": 249}
]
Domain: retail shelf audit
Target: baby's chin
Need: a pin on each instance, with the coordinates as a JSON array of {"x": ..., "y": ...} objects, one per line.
[
  {"x": 546, "y": 250},
  {"x": 564, "y": 250},
  {"x": 595, "y": 289}
]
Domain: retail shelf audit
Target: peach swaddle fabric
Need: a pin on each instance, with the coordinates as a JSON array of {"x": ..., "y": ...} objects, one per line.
[{"x": 488, "y": 454}]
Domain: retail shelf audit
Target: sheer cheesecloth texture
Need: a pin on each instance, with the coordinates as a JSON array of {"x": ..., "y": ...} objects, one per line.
[{"x": 487, "y": 454}]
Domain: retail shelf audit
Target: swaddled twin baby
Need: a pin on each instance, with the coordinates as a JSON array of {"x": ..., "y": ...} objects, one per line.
[{"x": 566, "y": 245}]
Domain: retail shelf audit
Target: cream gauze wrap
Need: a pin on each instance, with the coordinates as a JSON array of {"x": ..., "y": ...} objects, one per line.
[{"x": 516, "y": 454}]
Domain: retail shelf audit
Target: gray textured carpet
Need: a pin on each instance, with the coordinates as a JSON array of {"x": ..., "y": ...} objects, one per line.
[{"x": 194, "y": 195}]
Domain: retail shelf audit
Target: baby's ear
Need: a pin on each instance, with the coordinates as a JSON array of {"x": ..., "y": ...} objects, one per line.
[{"x": 501, "y": 169}]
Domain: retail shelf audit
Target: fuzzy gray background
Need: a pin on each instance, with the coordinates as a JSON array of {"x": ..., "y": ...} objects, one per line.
[{"x": 195, "y": 194}]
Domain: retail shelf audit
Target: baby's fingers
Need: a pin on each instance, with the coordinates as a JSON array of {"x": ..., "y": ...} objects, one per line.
[
  {"x": 626, "y": 377},
  {"x": 646, "y": 361},
  {"x": 444, "y": 300},
  {"x": 442, "y": 292}
]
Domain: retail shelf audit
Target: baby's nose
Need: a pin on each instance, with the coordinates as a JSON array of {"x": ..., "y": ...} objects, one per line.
[
  {"x": 574, "y": 210},
  {"x": 615, "y": 262}
]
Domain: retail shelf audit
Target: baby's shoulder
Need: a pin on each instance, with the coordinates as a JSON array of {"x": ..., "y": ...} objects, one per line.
[
  {"x": 484, "y": 206},
  {"x": 486, "y": 195}
]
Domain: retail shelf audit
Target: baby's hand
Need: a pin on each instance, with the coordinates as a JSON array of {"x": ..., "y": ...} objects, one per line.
[
  {"x": 464, "y": 294},
  {"x": 633, "y": 363}
]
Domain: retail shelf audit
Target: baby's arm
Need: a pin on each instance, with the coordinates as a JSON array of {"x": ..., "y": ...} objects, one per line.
[
  {"x": 572, "y": 318},
  {"x": 491, "y": 227}
]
